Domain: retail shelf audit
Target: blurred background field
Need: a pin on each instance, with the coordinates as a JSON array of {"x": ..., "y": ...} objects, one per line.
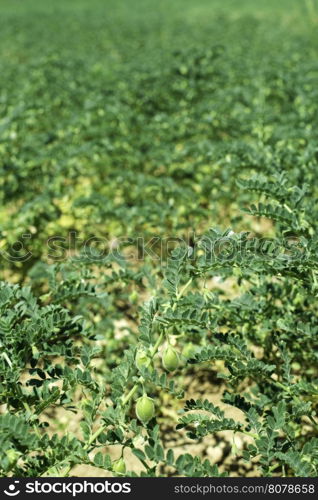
[{"x": 118, "y": 120}]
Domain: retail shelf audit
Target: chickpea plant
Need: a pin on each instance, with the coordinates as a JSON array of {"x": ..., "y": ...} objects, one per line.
[{"x": 265, "y": 339}]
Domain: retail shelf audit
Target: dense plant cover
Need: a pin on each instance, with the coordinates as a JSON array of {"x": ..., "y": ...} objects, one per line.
[{"x": 158, "y": 223}]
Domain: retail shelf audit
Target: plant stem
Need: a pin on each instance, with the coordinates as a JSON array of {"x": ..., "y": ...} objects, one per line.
[
  {"x": 313, "y": 420},
  {"x": 86, "y": 447},
  {"x": 251, "y": 434},
  {"x": 28, "y": 409},
  {"x": 5, "y": 356},
  {"x": 183, "y": 289},
  {"x": 157, "y": 344},
  {"x": 135, "y": 387},
  {"x": 130, "y": 394},
  {"x": 127, "y": 398}
]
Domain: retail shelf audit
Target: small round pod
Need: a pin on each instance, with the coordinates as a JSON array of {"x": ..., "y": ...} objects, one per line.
[
  {"x": 142, "y": 360},
  {"x": 133, "y": 297},
  {"x": 85, "y": 404},
  {"x": 145, "y": 409},
  {"x": 189, "y": 351},
  {"x": 119, "y": 466},
  {"x": 12, "y": 456},
  {"x": 170, "y": 359}
]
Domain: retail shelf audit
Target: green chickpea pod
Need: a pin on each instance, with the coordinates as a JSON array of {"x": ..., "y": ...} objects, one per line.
[
  {"x": 145, "y": 409},
  {"x": 119, "y": 466},
  {"x": 170, "y": 359},
  {"x": 142, "y": 360}
]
